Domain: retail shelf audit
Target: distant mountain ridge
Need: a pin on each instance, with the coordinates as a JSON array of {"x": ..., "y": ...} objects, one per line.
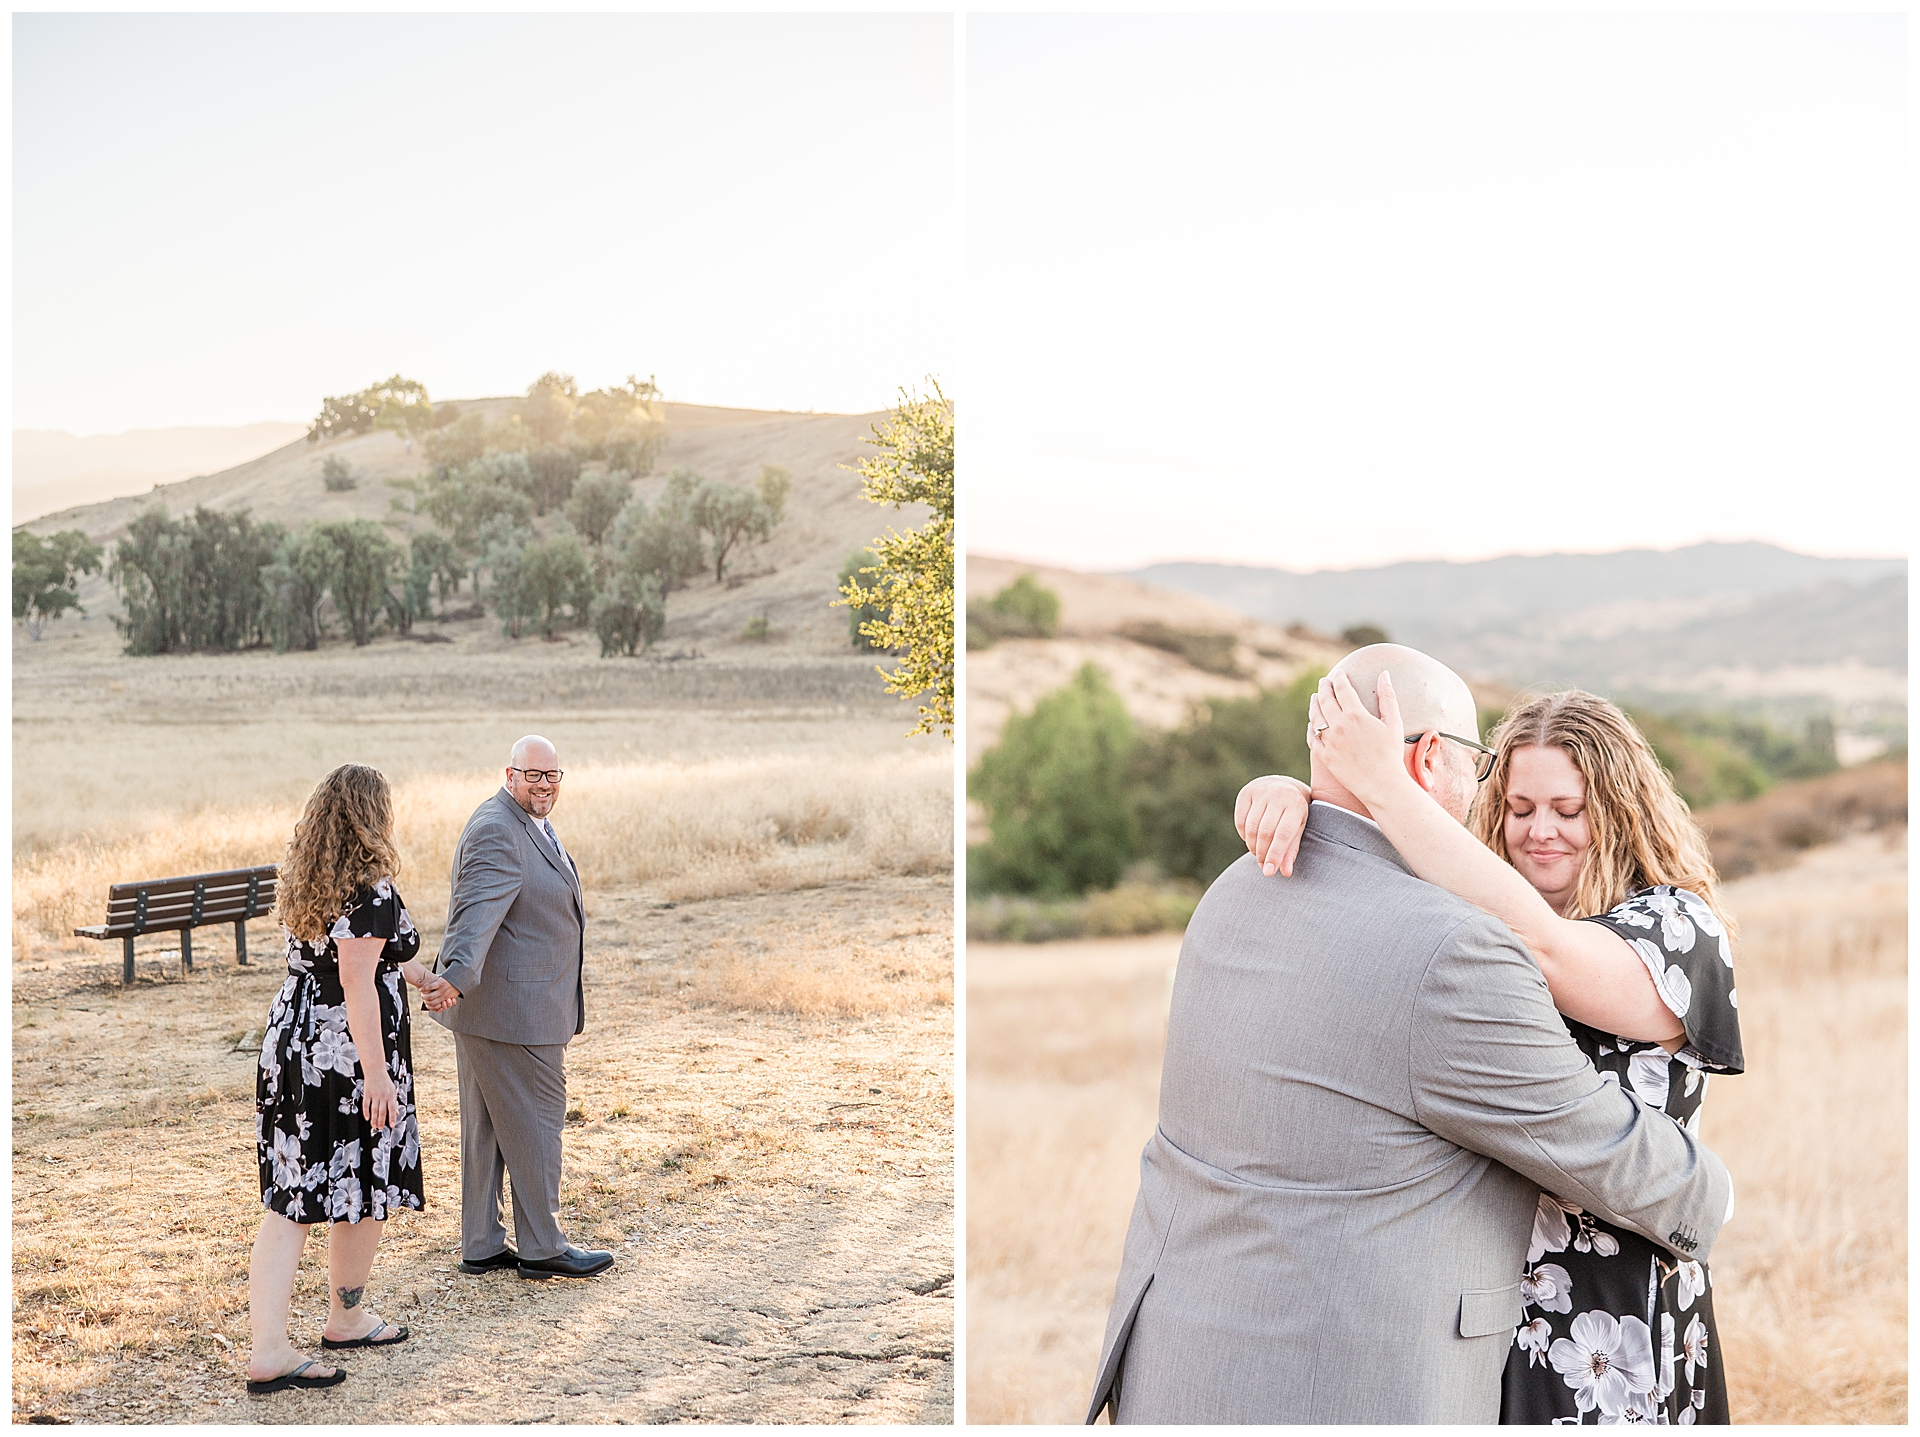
[
  {"x": 1684, "y": 620},
  {"x": 54, "y": 470}
]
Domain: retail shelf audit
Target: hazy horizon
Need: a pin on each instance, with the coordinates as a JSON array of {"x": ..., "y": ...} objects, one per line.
[{"x": 975, "y": 551}]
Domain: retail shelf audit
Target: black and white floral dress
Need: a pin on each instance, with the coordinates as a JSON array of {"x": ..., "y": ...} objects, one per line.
[
  {"x": 1616, "y": 1328},
  {"x": 320, "y": 1159}
]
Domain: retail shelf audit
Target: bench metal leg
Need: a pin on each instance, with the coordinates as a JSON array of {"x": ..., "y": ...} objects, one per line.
[
  {"x": 186, "y": 950},
  {"x": 240, "y": 941},
  {"x": 126, "y": 963}
]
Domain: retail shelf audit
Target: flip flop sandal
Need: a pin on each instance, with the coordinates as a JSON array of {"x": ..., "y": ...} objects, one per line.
[
  {"x": 296, "y": 1378},
  {"x": 372, "y": 1339}
]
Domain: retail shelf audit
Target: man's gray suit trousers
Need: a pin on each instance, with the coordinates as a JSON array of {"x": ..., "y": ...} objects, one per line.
[{"x": 513, "y": 1106}]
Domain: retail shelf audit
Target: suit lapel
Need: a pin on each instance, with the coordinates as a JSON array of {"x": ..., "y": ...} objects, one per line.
[{"x": 564, "y": 867}]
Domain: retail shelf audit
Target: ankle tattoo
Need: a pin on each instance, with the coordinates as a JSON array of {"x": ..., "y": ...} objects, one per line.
[{"x": 350, "y": 1296}]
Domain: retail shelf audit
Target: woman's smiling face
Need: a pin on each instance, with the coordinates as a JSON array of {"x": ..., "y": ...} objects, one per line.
[{"x": 1547, "y": 834}]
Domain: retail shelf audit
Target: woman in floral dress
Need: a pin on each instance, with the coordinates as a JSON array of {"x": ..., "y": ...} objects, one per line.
[
  {"x": 1615, "y": 1328},
  {"x": 338, "y": 1139}
]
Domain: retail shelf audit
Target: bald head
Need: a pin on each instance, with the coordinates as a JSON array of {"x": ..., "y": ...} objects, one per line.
[
  {"x": 535, "y": 752},
  {"x": 1432, "y": 696}
]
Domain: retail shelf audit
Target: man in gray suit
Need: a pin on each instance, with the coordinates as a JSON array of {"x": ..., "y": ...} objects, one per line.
[
  {"x": 508, "y": 983},
  {"x": 1365, "y": 1089}
]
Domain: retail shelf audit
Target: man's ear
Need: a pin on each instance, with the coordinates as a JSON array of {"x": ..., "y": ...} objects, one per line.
[{"x": 1423, "y": 761}]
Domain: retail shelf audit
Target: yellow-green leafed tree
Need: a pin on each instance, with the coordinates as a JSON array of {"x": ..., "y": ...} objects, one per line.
[{"x": 911, "y": 580}]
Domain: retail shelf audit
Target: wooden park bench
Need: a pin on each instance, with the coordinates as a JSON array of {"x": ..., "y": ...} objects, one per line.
[{"x": 163, "y": 905}]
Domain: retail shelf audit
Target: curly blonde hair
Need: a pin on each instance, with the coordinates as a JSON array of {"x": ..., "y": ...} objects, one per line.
[
  {"x": 1642, "y": 832},
  {"x": 343, "y": 841}
]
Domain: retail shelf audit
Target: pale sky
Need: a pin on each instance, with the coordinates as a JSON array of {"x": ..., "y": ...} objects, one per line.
[
  {"x": 221, "y": 219},
  {"x": 1333, "y": 291}
]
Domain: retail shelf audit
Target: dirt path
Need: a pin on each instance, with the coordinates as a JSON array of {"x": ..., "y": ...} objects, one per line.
[{"x": 761, "y": 1129}]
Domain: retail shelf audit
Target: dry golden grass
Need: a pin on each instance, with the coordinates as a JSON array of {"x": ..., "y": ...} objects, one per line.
[
  {"x": 1810, "y": 1280},
  {"x": 691, "y": 830},
  {"x": 824, "y": 972},
  {"x": 1063, "y": 1057},
  {"x": 762, "y": 1099},
  {"x": 777, "y": 1185}
]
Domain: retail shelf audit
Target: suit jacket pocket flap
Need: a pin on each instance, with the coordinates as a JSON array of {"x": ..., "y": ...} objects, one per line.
[{"x": 1490, "y": 1310}]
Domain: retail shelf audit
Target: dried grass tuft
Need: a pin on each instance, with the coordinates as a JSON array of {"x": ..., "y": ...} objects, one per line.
[
  {"x": 699, "y": 830},
  {"x": 821, "y": 973}
]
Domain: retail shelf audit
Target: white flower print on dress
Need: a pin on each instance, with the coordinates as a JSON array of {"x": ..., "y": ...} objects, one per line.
[
  {"x": 338, "y": 1166},
  {"x": 1550, "y": 1230},
  {"x": 1650, "y": 1074},
  {"x": 1692, "y": 1281},
  {"x": 1606, "y": 1361},
  {"x": 334, "y": 1052},
  {"x": 1547, "y": 1287},
  {"x": 1696, "y": 1346},
  {"x": 1666, "y": 1356},
  {"x": 1678, "y": 932},
  {"x": 1679, "y": 988},
  {"x": 1533, "y": 1339},
  {"x": 287, "y": 1162},
  {"x": 1707, "y": 921}
]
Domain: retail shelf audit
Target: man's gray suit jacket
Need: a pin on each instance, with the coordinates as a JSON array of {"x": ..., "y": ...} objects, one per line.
[
  {"x": 515, "y": 932},
  {"x": 1365, "y": 1089}
]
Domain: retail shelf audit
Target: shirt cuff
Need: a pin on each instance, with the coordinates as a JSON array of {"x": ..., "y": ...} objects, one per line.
[{"x": 1729, "y": 1217}]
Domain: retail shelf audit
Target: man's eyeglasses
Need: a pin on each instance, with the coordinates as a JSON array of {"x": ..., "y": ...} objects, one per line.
[
  {"x": 540, "y": 775},
  {"x": 1482, "y": 755}
]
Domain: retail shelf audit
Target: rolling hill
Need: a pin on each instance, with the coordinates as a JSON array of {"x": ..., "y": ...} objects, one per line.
[
  {"x": 791, "y": 578},
  {"x": 1713, "y": 622}
]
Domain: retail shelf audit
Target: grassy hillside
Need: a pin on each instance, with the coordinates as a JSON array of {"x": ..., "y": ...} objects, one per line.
[
  {"x": 791, "y": 578},
  {"x": 1098, "y": 613}
]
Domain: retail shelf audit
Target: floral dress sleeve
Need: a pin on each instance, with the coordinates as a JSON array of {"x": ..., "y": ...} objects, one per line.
[
  {"x": 378, "y": 912},
  {"x": 1684, "y": 946}
]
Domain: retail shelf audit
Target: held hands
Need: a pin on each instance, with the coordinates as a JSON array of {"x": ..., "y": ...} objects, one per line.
[
  {"x": 1361, "y": 752},
  {"x": 1271, "y": 816},
  {"x": 378, "y": 1100},
  {"x": 437, "y": 994}
]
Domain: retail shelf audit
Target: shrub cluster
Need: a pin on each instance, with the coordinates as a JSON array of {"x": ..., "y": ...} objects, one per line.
[
  {"x": 46, "y": 575},
  {"x": 1122, "y": 911},
  {"x": 1022, "y": 610},
  {"x": 1075, "y": 793},
  {"x": 218, "y": 580}
]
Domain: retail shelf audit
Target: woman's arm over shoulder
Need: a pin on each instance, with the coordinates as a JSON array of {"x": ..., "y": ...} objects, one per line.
[{"x": 1270, "y": 814}]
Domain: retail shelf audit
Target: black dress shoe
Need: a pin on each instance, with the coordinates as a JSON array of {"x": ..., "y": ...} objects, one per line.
[
  {"x": 574, "y": 1262},
  {"x": 500, "y": 1261}
]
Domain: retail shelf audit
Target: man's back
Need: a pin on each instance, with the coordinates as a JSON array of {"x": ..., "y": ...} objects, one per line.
[{"x": 1319, "y": 1236}]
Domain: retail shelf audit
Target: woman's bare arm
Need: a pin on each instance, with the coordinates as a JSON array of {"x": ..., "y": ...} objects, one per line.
[
  {"x": 359, "y": 961},
  {"x": 1594, "y": 976}
]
